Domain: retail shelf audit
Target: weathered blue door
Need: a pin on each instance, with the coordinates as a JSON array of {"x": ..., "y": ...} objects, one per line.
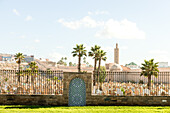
[{"x": 77, "y": 92}]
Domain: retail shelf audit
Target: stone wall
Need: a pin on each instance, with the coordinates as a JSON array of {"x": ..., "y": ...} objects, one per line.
[
  {"x": 62, "y": 100},
  {"x": 94, "y": 100},
  {"x": 55, "y": 100}
]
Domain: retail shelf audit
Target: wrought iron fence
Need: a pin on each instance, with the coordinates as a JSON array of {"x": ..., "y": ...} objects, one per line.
[
  {"x": 31, "y": 82},
  {"x": 130, "y": 84}
]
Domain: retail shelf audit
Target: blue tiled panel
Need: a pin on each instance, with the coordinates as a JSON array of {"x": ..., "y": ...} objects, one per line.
[{"x": 77, "y": 92}]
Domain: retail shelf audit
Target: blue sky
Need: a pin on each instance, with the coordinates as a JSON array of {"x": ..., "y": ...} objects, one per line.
[{"x": 51, "y": 28}]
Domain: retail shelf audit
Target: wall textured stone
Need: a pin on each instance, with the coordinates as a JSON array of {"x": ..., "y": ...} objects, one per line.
[
  {"x": 32, "y": 100},
  {"x": 128, "y": 100},
  {"x": 95, "y": 100}
]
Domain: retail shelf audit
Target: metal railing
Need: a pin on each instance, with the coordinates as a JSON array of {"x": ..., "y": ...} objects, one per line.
[
  {"x": 130, "y": 84},
  {"x": 31, "y": 82}
]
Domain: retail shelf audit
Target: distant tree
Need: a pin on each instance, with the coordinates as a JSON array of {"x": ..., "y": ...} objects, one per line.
[
  {"x": 65, "y": 64},
  {"x": 34, "y": 68},
  {"x": 74, "y": 64},
  {"x": 70, "y": 64},
  {"x": 62, "y": 62},
  {"x": 90, "y": 65},
  {"x": 62, "y": 58},
  {"x": 102, "y": 75},
  {"x": 149, "y": 68},
  {"x": 84, "y": 60},
  {"x": 79, "y": 51},
  {"x": 87, "y": 63},
  {"x": 19, "y": 57}
]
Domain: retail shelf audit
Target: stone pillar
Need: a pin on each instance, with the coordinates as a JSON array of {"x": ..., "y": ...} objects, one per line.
[{"x": 68, "y": 76}]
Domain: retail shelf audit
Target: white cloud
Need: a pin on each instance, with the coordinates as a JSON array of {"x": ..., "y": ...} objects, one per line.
[
  {"x": 90, "y": 13},
  {"x": 37, "y": 41},
  {"x": 16, "y": 12},
  {"x": 84, "y": 22},
  {"x": 12, "y": 33},
  {"x": 98, "y": 13},
  {"x": 71, "y": 25},
  {"x": 28, "y": 18},
  {"x": 108, "y": 29},
  {"x": 120, "y": 29},
  {"x": 23, "y": 36}
]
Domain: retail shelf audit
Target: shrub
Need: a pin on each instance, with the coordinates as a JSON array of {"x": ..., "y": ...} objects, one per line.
[{"x": 141, "y": 82}]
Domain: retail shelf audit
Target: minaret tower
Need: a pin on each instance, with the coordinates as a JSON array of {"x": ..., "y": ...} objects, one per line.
[{"x": 116, "y": 54}]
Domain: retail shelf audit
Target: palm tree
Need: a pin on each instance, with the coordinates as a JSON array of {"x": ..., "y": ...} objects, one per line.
[
  {"x": 79, "y": 51},
  {"x": 101, "y": 56},
  {"x": 93, "y": 53},
  {"x": 27, "y": 72},
  {"x": 149, "y": 68},
  {"x": 19, "y": 57},
  {"x": 34, "y": 67}
]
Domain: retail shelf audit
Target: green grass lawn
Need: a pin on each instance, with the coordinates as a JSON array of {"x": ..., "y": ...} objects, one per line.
[{"x": 86, "y": 109}]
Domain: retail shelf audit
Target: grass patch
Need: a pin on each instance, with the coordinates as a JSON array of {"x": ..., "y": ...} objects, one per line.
[{"x": 85, "y": 109}]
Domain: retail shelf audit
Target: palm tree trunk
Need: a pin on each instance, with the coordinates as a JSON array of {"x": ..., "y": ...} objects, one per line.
[
  {"x": 98, "y": 73},
  {"x": 79, "y": 64},
  {"x": 95, "y": 63},
  {"x": 19, "y": 72},
  {"x": 100, "y": 86},
  {"x": 149, "y": 82},
  {"x": 32, "y": 79},
  {"x": 32, "y": 75},
  {"x": 27, "y": 79},
  {"x": 28, "y": 73},
  {"x": 94, "y": 75}
]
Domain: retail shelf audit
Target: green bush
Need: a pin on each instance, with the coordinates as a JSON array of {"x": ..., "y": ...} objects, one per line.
[{"x": 141, "y": 82}]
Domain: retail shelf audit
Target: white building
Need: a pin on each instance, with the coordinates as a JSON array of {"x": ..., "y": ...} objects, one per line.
[
  {"x": 132, "y": 65},
  {"x": 163, "y": 64}
]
